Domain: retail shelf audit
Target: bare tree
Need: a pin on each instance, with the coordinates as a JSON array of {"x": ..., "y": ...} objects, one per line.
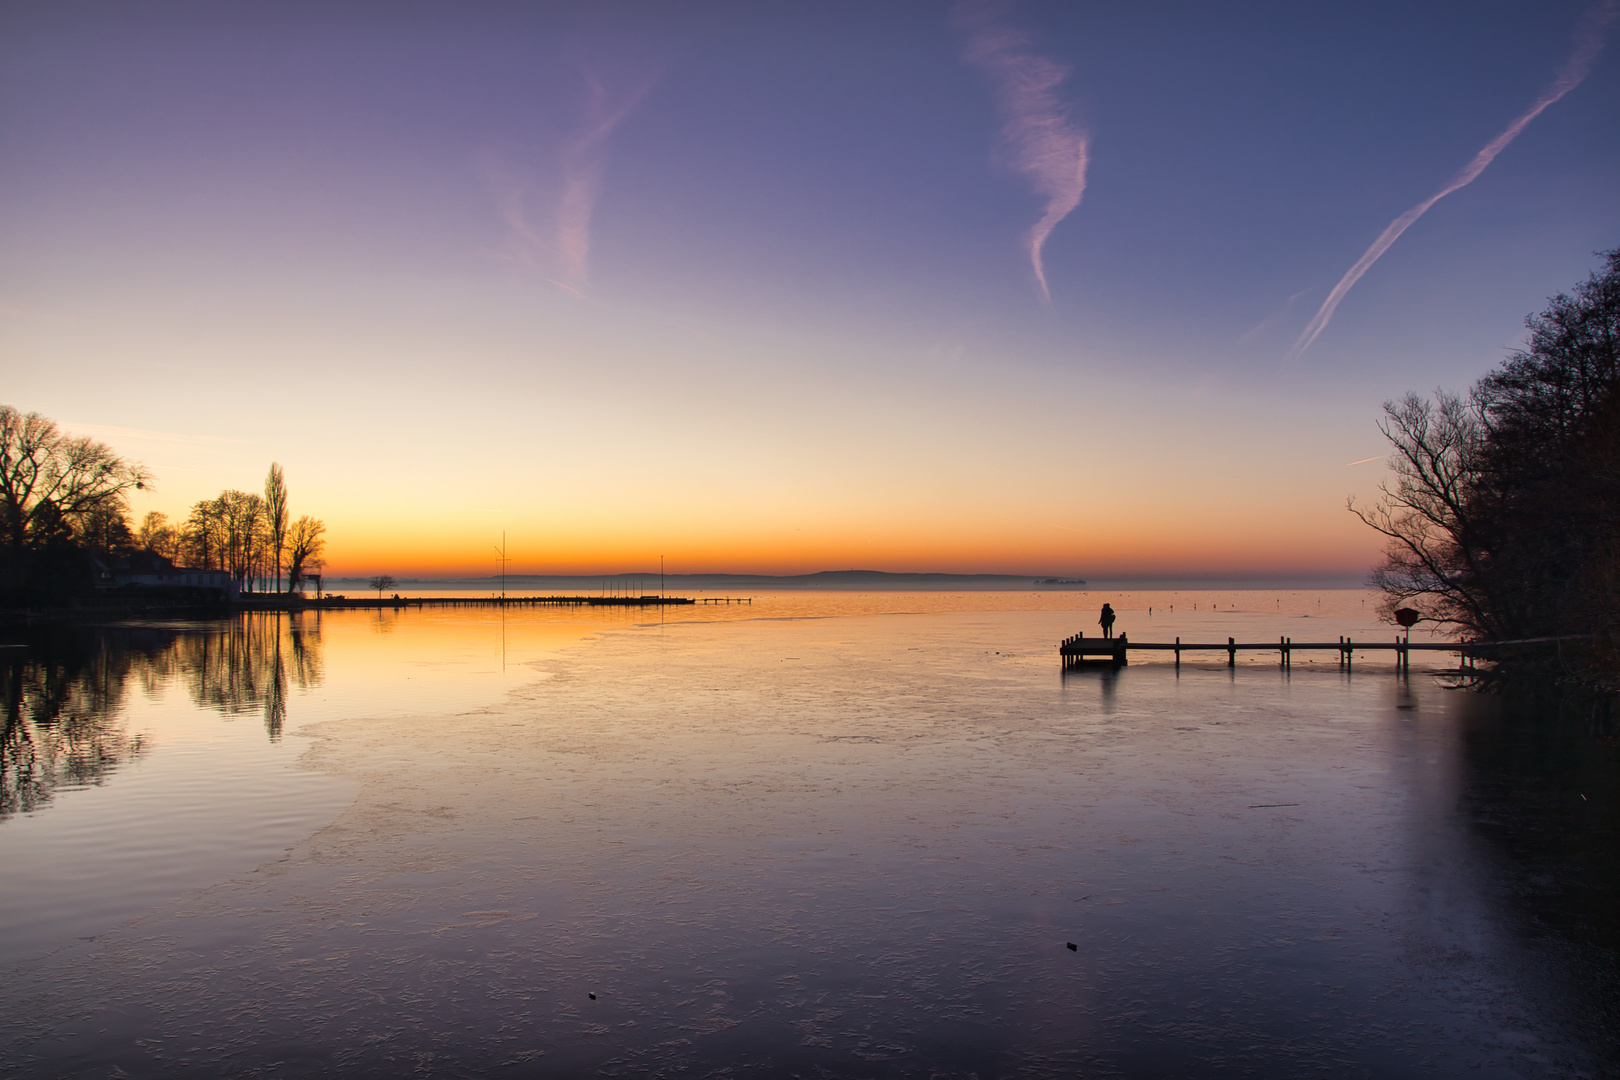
[
  {"x": 242, "y": 522},
  {"x": 1504, "y": 515},
  {"x": 305, "y": 542},
  {"x": 202, "y": 542},
  {"x": 275, "y": 516},
  {"x": 50, "y": 482},
  {"x": 1548, "y": 481},
  {"x": 105, "y": 529},
  {"x": 381, "y": 582},
  {"x": 157, "y": 536},
  {"x": 1433, "y": 561}
]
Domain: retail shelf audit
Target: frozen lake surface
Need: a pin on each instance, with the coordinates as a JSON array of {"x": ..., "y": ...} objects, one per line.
[{"x": 876, "y": 835}]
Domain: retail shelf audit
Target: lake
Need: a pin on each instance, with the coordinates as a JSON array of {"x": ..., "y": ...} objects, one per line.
[{"x": 825, "y": 834}]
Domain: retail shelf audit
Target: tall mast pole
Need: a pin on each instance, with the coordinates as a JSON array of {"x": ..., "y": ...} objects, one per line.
[{"x": 501, "y": 551}]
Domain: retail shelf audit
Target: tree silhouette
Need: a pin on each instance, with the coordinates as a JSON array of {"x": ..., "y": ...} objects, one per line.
[
  {"x": 275, "y": 517},
  {"x": 1503, "y": 518},
  {"x": 52, "y": 483},
  {"x": 157, "y": 536},
  {"x": 305, "y": 542}
]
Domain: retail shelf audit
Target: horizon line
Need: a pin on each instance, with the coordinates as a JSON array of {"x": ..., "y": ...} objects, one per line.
[{"x": 1253, "y": 579}]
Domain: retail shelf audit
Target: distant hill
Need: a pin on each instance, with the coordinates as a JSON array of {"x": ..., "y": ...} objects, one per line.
[{"x": 848, "y": 580}]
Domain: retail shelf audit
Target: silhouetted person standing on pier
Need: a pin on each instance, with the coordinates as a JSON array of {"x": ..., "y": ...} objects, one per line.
[{"x": 1107, "y": 621}]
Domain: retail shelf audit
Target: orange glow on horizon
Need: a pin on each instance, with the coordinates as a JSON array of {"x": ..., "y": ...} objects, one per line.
[{"x": 1153, "y": 550}]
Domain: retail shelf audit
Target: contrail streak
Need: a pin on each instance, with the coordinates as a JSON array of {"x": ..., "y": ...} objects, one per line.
[
  {"x": 583, "y": 160},
  {"x": 1589, "y": 42},
  {"x": 562, "y": 248},
  {"x": 1041, "y": 142}
]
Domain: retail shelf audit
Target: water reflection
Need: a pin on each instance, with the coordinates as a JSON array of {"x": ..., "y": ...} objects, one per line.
[
  {"x": 1105, "y": 676},
  {"x": 247, "y": 665},
  {"x": 1540, "y": 796},
  {"x": 64, "y": 688},
  {"x": 854, "y": 847},
  {"x": 63, "y": 694}
]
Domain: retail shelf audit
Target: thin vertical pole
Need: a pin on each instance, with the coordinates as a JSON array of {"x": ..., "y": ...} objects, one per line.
[
  {"x": 1178, "y": 654},
  {"x": 1231, "y": 652}
]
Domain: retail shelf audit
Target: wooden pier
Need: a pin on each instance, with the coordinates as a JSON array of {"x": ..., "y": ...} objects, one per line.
[
  {"x": 1081, "y": 651},
  {"x": 656, "y": 601},
  {"x": 636, "y": 601}
]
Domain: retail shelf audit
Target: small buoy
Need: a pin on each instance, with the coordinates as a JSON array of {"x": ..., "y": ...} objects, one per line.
[
  {"x": 1073, "y": 947},
  {"x": 591, "y": 996}
]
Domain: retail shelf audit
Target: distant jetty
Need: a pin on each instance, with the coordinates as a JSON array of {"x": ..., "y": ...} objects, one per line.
[
  {"x": 342, "y": 602},
  {"x": 842, "y": 580}
]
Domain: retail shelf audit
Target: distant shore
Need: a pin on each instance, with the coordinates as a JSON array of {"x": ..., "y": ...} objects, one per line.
[
  {"x": 840, "y": 580},
  {"x": 634, "y": 582},
  {"x": 630, "y": 588}
]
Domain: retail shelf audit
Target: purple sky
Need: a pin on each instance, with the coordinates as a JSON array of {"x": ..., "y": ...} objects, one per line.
[{"x": 758, "y": 284}]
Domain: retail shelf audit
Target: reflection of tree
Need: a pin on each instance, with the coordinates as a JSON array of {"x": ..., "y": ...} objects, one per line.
[
  {"x": 62, "y": 695},
  {"x": 1540, "y": 793},
  {"x": 244, "y": 668},
  {"x": 304, "y": 642},
  {"x": 60, "y": 704}
]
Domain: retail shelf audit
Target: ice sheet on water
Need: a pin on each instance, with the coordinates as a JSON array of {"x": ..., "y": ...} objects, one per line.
[{"x": 867, "y": 860}]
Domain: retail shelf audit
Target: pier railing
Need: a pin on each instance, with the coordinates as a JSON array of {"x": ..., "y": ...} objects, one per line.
[{"x": 1078, "y": 650}]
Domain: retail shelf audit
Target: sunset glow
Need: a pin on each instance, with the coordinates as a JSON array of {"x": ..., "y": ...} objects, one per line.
[{"x": 1020, "y": 288}]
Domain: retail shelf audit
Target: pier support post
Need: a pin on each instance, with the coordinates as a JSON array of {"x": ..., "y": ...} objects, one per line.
[
  {"x": 1178, "y": 654},
  {"x": 1231, "y": 652}
]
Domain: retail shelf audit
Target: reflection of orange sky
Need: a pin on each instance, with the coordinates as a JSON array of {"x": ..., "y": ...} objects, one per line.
[{"x": 433, "y": 658}]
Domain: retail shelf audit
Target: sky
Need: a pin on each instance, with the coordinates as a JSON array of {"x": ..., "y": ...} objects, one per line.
[{"x": 1102, "y": 290}]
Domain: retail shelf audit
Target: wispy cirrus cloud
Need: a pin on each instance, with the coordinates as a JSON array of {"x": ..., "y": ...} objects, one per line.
[
  {"x": 550, "y": 231},
  {"x": 1038, "y": 138},
  {"x": 1588, "y": 44}
]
